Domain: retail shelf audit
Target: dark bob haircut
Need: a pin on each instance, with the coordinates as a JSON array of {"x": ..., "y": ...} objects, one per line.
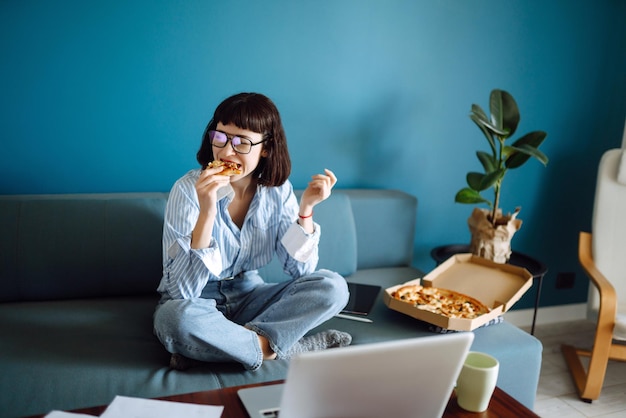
[{"x": 257, "y": 113}]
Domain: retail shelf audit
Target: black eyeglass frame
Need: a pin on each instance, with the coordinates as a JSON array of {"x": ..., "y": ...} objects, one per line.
[{"x": 230, "y": 137}]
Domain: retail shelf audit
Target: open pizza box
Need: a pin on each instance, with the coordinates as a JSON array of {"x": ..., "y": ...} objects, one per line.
[{"x": 498, "y": 286}]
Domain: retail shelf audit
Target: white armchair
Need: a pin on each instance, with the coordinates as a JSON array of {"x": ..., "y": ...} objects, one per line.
[{"x": 602, "y": 255}]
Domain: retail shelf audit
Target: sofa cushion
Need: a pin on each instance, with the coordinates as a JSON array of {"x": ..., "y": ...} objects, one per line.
[
  {"x": 78, "y": 353},
  {"x": 385, "y": 222},
  {"x": 8, "y": 250},
  {"x": 76, "y": 246}
]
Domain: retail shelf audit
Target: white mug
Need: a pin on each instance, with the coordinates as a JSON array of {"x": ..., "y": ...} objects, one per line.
[{"x": 477, "y": 381}]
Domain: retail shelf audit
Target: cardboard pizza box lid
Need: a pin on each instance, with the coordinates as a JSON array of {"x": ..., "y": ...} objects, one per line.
[{"x": 496, "y": 285}]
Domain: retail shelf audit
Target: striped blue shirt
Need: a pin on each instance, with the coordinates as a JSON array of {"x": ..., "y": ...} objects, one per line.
[{"x": 269, "y": 228}]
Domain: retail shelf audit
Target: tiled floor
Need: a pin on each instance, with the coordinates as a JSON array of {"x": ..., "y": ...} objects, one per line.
[{"x": 556, "y": 395}]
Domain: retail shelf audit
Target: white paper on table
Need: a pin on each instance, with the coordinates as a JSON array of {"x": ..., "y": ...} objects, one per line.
[
  {"x": 127, "y": 407},
  {"x": 61, "y": 414}
]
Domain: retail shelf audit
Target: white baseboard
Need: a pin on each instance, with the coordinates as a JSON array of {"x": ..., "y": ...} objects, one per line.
[{"x": 547, "y": 315}]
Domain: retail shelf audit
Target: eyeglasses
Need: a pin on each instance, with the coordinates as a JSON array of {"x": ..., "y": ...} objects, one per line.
[{"x": 241, "y": 145}]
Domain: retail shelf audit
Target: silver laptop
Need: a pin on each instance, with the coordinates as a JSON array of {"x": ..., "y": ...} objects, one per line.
[{"x": 403, "y": 378}]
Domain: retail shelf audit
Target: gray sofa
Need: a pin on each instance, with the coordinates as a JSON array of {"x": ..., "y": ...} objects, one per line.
[{"x": 79, "y": 273}]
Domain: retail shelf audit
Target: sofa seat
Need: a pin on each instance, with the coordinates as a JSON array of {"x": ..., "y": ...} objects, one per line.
[{"x": 79, "y": 353}]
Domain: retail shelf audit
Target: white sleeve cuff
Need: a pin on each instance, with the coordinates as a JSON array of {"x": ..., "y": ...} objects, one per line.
[
  {"x": 210, "y": 257},
  {"x": 299, "y": 244}
]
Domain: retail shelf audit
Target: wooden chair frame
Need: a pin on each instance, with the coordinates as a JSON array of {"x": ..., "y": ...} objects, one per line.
[{"x": 589, "y": 383}]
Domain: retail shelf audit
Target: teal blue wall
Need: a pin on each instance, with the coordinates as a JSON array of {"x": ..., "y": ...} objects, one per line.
[{"x": 113, "y": 96}]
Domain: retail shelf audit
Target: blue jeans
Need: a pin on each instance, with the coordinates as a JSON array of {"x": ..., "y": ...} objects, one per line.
[{"x": 222, "y": 325}]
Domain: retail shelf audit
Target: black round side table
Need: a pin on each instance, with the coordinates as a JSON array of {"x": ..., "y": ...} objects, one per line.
[{"x": 534, "y": 267}]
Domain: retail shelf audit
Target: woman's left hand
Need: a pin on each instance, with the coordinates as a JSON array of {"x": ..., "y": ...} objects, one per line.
[{"x": 318, "y": 190}]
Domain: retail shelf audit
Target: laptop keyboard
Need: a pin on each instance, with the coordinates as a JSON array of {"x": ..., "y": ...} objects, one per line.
[{"x": 270, "y": 413}]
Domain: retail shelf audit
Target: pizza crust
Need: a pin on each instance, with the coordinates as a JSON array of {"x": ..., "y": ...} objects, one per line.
[{"x": 441, "y": 301}]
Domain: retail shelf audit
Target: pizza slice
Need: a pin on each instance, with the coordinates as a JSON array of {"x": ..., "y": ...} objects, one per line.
[{"x": 230, "y": 168}]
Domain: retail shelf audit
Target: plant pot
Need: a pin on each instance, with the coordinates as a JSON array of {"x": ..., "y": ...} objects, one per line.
[{"x": 492, "y": 243}]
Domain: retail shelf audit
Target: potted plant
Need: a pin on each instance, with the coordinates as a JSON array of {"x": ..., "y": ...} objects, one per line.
[{"x": 491, "y": 230}]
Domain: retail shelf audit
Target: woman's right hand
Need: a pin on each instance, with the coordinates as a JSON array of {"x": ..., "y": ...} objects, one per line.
[{"x": 207, "y": 186}]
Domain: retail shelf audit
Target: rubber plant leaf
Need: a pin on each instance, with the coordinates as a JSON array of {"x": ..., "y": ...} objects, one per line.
[
  {"x": 488, "y": 161},
  {"x": 504, "y": 112},
  {"x": 526, "y": 147},
  {"x": 488, "y": 134},
  {"x": 468, "y": 195}
]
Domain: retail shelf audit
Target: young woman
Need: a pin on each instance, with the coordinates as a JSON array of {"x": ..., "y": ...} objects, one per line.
[{"x": 219, "y": 229}]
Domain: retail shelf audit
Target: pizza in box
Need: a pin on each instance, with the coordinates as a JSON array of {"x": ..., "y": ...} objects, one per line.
[{"x": 445, "y": 302}]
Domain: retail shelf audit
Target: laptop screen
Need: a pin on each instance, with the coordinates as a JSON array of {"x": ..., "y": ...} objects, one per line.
[{"x": 403, "y": 378}]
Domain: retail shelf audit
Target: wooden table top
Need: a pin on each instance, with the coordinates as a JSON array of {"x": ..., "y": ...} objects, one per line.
[{"x": 501, "y": 405}]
